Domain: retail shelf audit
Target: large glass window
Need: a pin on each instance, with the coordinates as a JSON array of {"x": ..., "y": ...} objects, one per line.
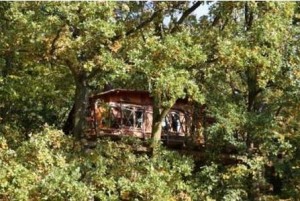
[
  {"x": 132, "y": 117},
  {"x": 118, "y": 116}
]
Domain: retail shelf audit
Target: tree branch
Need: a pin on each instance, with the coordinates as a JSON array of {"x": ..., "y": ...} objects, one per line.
[
  {"x": 75, "y": 72},
  {"x": 185, "y": 14},
  {"x": 94, "y": 72},
  {"x": 54, "y": 41},
  {"x": 138, "y": 27},
  {"x": 189, "y": 11},
  {"x": 248, "y": 17}
]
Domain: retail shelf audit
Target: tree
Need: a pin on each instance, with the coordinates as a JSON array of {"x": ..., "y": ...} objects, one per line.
[
  {"x": 86, "y": 39},
  {"x": 28, "y": 98},
  {"x": 167, "y": 76},
  {"x": 164, "y": 55},
  {"x": 248, "y": 69},
  {"x": 242, "y": 59}
]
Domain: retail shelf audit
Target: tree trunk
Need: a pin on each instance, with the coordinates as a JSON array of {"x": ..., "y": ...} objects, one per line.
[
  {"x": 156, "y": 126},
  {"x": 68, "y": 126},
  {"x": 158, "y": 116},
  {"x": 81, "y": 105},
  {"x": 197, "y": 121},
  {"x": 253, "y": 91}
]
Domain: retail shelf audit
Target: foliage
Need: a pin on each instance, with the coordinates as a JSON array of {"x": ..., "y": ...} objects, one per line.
[
  {"x": 241, "y": 61},
  {"x": 52, "y": 166},
  {"x": 48, "y": 167},
  {"x": 168, "y": 77}
]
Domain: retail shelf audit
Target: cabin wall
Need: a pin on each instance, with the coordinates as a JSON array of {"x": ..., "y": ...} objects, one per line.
[
  {"x": 119, "y": 113},
  {"x": 122, "y": 119}
]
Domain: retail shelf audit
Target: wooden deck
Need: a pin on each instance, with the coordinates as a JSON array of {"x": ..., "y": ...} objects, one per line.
[{"x": 170, "y": 139}]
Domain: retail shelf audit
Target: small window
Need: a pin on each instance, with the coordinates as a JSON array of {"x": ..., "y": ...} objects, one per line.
[
  {"x": 139, "y": 116},
  {"x": 175, "y": 122},
  {"x": 172, "y": 122}
]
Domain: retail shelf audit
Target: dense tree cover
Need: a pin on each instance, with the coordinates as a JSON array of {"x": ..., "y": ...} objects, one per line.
[
  {"x": 241, "y": 61},
  {"x": 52, "y": 166}
]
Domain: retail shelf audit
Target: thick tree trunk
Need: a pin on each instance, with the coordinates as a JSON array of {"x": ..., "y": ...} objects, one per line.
[
  {"x": 253, "y": 91},
  {"x": 81, "y": 105},
  {"x": 156, "y": 126},
  {"x": 68, "y": 126},
  {"x": 197, "y": 121},
  {"x": 158, "y": 115}
]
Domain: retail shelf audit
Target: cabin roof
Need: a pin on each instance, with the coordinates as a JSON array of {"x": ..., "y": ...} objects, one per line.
[
  {"x": 120, "y": 92},
  {"x": 129, "y": 93}
]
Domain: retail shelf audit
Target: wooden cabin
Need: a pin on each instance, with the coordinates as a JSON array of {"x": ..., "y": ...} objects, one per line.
[{"x": 121, "y": 112}]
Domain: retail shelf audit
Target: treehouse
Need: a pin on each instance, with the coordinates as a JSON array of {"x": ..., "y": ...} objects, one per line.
[{"x": 121, "y": 112}]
